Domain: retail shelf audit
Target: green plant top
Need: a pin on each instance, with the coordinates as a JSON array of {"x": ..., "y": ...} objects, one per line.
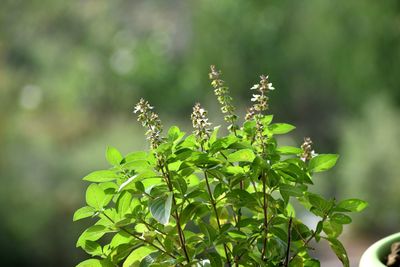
[{"x": 209, "y": 200}]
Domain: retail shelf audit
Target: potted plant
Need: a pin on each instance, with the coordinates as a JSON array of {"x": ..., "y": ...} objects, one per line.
[
  {"x": 211, "y": 199},
  {"x": 385, "y": 252}
]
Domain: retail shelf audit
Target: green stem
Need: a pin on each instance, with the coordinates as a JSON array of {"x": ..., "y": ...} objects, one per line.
[
  {"x": 181, "y": 235},
  {"x": 139, "y": 238},
  {"x": 216, "y": 215}
]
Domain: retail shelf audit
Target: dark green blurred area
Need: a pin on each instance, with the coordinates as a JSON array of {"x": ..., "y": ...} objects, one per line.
[{"x": 71, "y": 72}]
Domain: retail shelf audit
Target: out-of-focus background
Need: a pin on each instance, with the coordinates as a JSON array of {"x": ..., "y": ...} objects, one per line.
[{"x": 71, "y": 72}]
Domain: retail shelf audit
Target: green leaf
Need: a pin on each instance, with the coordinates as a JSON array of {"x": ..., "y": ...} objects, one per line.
[
  {"x": 245, "y": 155},
  {"x": 95, "y": 263},
  {"x": 113, "y": 156},
  {"x": 209, "y": 232},
  {"x": 341, "y": 218},
  {"x": 332, "y": 229},
  {"x": 123, "y": 203},
  {"x": 95, "y": 196},
  {"x": 312, "y": 263},
  {"x": 323, "y": 162},
  {"x": 83, "y": 212},
  {"x": 214, "y": 135},
  {"x": 290, "y": 190},
  {"x": 289, "y": 150},
  {"x": 281, "y": 128},
  {"x": 136, "y": 256},
  {"x": 215, "y": 259},
  {"x": 101, "y": 176},
  {"x": 127, "y": 182},
  {"x": 175, "y": 134},
  {"x": 93, "y": 233},
  {"x": 354, "y": 205},
  {"x": 339, "y": 250},
  {"x": 92, "y": 247},
  {"x": 160, "y": 208}
]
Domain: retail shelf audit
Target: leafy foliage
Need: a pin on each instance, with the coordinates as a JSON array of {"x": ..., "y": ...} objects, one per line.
[{"x": 209, "y": 200}]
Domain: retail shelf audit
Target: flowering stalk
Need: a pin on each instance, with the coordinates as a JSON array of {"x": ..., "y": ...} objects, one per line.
[
  {"x": 260, "y": 105},
  {"x": 200, "y": 123},
  {"x": 149, "y": 120},
  {"x": 308, "y": 152},
  {"x": 223, "y": 97},
  {"x": 260, "y": 99},
  {"x": 202, "y": 132}
]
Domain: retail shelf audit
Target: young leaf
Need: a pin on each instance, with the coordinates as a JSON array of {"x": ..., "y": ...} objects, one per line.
[
  {"x": 281, "y": 128},
  {"x": 95, "y": 196},
  {"x": 354, "y": 205},
  {"x": 83, "y": 212},
  {"x": 136, "y": 256},
  {"x": 341, "y": 218},
  {"x": 322, "y": 162},
  {"x": 289, "y": 150},
  {"x": 245, "y": 155},
  {"x": 93, "y": 233},
  {"x": 113, "y": 156},
  {"x": 101, "y": 176},
  {"x": 160, "y": 208},
  {"x": 174, "y": 134},
  {"x": 95, "y": 263}
]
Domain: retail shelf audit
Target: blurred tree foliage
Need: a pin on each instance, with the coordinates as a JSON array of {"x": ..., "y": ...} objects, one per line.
[{"x": 70, "y": 72}]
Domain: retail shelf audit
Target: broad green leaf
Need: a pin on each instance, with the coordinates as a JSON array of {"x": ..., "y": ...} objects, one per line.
[
  {"x": 214, "y": 135},
  {"x": 93, "y": 233},
  {"x": 249, "y": 127},
  {"x": 95, "y": 263},
  {"x": 209, "y": 232},
  {"x": 101, "y": 176},
  {"x": 175, "y": 134},
  {"x": 127, "y": 182},
  {"x": 290, "y": 190},
  {"x": 95, "y": 196},
  {"x": 354, "y": 205},
  {"x": 136, "y": 156},
  {"x": 322, "y": 162},
  {"x": 289, "y": 150},
  {"x": 312, "y": 263},
  {"x": 195, "y": 208},
  {"x": 123, "y": 203},
  {"x": 341, "y": 218},
  {"x": 332, "y": 229},
  {"x": 340, "y": 251},
  {"x": 121, "y": 238},
  {"x": 215, "y": 259},
  {"x": 320, "y": 203},
  {"x": 83, "y": 212},
  {"x": 113, "y": 156},
  {"x": 93, "y": 248},
  {"x": 136, "y": 256},
  {"x": 245, "y": 155},
  {"x": 266, "y": 120},
  {"x": 281, "y": 128},
  {"x": 160, "y": 208}
]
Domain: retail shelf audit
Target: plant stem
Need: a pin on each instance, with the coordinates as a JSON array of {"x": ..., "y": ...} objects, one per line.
[
  {"x": 140, "y": 238},
  {"x": 308, "y": 240},
  {"x": 265, "y": 211},
  {"x": 288, "y": 242},
  {"x": 177, "y": 219},
  {"x": 216, "y": 215}
]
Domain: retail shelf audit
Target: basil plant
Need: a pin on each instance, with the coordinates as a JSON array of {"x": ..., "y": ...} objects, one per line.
[{"x": 208, "y": 199}]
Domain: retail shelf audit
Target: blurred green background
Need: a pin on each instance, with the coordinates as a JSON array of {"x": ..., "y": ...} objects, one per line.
[{"x": 71, "y": 72}]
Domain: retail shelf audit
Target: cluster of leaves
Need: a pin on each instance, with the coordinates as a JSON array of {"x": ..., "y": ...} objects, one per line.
[{"x": 211, "y": 201}]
